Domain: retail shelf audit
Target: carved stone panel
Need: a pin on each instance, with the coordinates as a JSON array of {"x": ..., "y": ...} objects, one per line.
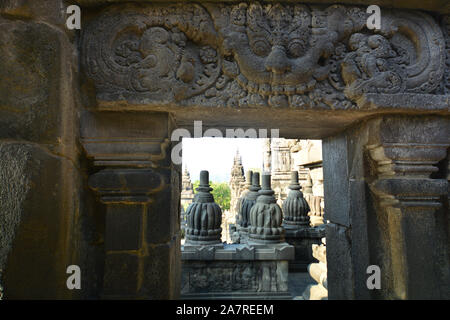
[
  {"x": 234, "y": 276},
  {"x": 254, "y": 54}
]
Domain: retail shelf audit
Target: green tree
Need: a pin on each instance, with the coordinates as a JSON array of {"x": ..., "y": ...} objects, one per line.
[{"x": 221, "y": 192}]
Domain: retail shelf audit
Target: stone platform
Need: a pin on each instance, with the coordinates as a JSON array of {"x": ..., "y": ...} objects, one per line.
[
  {"x": 236, "y": 271},
  {"x": 302, "y": 239}
]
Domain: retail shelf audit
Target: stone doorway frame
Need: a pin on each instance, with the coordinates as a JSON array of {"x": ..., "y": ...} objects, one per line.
[
  {"x": 375, "y": 214},
  {"x": 389, "y": 150},
  {"x": 385, "y": 176}
]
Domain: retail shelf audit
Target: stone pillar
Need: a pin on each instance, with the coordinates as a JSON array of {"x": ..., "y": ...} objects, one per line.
[
  {"x": 247, "y": 204},
  {"x": 140, "y": 188},
  {"x": 409, "y": 190},
  {"x": 295, "y": 207},
  {"x": 383, "y": 187},
  {"x": 204, "y": 216},
  {"x": 266, "y": 216},
  {"x": 130, "y": 253}
]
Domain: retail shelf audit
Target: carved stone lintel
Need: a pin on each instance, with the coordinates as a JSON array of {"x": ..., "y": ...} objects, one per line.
[
  {"x": 204, "y": 216},
  {"x": 136, "y": 182},
  {"x": 256, "y": 54}
]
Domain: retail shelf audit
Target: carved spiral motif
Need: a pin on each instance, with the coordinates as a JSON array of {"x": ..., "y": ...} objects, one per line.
[
  {"x": 160, "y": 54},
  {"x": 260, "y": 54}
]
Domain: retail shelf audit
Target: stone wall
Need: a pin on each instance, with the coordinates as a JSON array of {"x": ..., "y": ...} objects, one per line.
[{"x": 380, "y": 202}]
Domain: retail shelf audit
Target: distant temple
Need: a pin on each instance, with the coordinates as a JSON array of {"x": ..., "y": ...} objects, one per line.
[
  {"x": 280, "y": 157},
  {"x": 237, "y": 182}
]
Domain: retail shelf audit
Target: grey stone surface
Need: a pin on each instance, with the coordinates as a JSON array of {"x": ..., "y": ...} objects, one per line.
[
  {"x": 409, "y": 189},
  {"x": 347, "y": 202},
  {"x": 432, "y": 5},
  {"x": 35, "y": 210},
  {"x": 50, "y": 11},
  {"x": 339, "y": 263},
  {"x": 37, "y": 65},
  {"x": 162, "y": 271},
  {"x": 123, "y": 227},
  {"x": 125, "y": 185},
  {"x": 123, "y": 281},
  {"x": 336, "y": 180},
  {"x": 165, "y": 200},
  {"x": 298, "y": 282},
  {"x": 231, "y": 78},
  {"x": 125, "y": 139},
  {"x": 236, "y": 271},
  {"x": 252, "y": 76}
]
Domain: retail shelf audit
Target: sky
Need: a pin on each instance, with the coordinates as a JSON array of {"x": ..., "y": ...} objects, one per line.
[{"x": 216, "y": 155}]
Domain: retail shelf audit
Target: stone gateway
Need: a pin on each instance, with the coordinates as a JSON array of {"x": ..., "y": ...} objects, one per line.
[{"x": 86, "y": 116}]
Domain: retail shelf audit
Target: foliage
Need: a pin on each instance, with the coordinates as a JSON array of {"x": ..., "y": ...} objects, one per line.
[{"x": 221, "y": 192}]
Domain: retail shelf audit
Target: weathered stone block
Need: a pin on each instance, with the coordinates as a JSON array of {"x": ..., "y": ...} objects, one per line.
[
  {"x": 235, "y": 279},
  {"x": 126, "y": 185},
  {"x": 236, "y": 271},
  {"x": 123, "y": 229},
  {"x": 303, "y": 240},
  {"x": 335, "y": 172},
  {"x": 339, "y": 262},
  {"x": 39, "y": 200},
  {"x": 52, "y": 11},
  {"x": 32, "y": 106},
  {"x": 162, "y": 269},
  {"x": 162, "y": 211}
]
